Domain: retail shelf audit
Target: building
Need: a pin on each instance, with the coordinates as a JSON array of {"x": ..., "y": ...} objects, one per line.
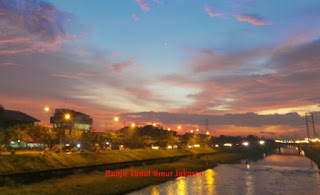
[
  {"x": 10, "y": 118},
  {"x": 70, "y": 119}
]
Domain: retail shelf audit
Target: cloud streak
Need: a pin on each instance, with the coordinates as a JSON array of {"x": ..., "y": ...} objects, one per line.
[
  {"x": 209, "y": 11},
  {"x": 119, "y": 68},
  {"x": 135, "y": 17},
  {"x": 252, "y": 19},
  {"x": 144, "y": 6}
]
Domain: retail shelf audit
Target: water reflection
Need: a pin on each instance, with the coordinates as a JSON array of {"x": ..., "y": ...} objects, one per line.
[
  {"x": 249, "y": 183},
  {"x": 275, "y": 174},
  {"x": 155, "y": 190},
  {"x": 181, "y": 186},
  {"x": 210, "y": 185}
]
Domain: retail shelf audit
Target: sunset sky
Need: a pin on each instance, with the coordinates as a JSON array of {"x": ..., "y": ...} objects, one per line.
[{"x": 196, "y": 57}]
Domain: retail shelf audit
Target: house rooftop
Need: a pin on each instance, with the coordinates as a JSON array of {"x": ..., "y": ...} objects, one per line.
[{"x": 12, "y": 115}]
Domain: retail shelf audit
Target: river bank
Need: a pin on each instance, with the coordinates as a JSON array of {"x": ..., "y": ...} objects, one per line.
[
  {"x": 37, "y": 161},
  {"x": 313, "y": 152},
  {"x": 97, "y": 182}
]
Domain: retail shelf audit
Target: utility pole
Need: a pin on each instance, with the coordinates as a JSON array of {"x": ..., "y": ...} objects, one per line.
[
  {"x": 308, "y": 136},
  {"x": 314, "y": 129},
  {"x": 310, "y": 119},
  {"x": 206, "y": 125}
]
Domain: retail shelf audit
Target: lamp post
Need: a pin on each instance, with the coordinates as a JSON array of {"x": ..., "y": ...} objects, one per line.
[
  {"x": 117, "y": 119},
  {"x": 67, "y": 117}
]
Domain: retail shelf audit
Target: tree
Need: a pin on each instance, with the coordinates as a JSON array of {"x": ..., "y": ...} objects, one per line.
[
  {"x": 137, "y": 141},
  {"x": 15, "y": 133},
  {"x": 73, "y": 134},
  {"x": 169, "y": 139},
  {"x": 1, "y": 116},
  {"x": 43, "y": 133},
  {"x": 115, "y": 137}
]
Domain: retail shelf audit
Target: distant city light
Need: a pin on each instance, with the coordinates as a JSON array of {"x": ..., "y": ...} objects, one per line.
[
  {"x": 133, "y": 125},
  {"x": 197, "y": 130},
  {"x": 245, "y": 143},
  {"x": 169, "y": 129},
  {"x": 154, "y": 124},
  {"x": 261, "y": 142},
  {"x": 191, "y": 131},
  {"x": 196, "y": 145},
  {"x": 228, "y": 144},
  {"x": 155, "y": 147},
  {"x": 217, "y": 146},
  {"x": 207, "y": 133},
  {"x": 116, "y": 118},
  {"x": 169, "y": 147},
  {"x": 78, "y": 145},
  {"x": 179, "y": 127},
  {"x": 47, "y": 108}
]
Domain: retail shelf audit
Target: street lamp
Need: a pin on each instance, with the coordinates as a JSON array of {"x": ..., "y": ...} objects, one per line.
[
  {"x": 116, "y": 118},
  {"x": 154, "y": 124},
  {"x": 169, "y": 129},
  {"x": 133, "y": 125},
  {"x": 47, "y": 109},
  {"x": 197, "y": 130},
  {"x": 207, "y": 133},
  {"x": 67, "y": 116},
  {"x": 179, "y": 127},
  {"x": 191, "y": 131}
]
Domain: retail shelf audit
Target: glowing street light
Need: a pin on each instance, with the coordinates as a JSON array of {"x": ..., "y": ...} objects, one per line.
[
  {"x": 154, "y": 124},
  {"x": 133, "y": 124},
  {"x": 116, "y": 118},
  {"x": 169, "y": 129},
  {"x": 191, "y": 131},
  {"x": 47, "y": 109},
  {"x": 179, "y": 127},
  {"x": 67, "y": 116},
  {"x": 245, "y": 143},
  {"x": 207, "y": 133},
  {"x": 261, "y": 142},
  {"x": 197, "y": 130}
]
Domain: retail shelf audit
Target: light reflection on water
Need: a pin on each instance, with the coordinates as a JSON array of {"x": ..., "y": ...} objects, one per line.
[{"x": 276, "y": 174}]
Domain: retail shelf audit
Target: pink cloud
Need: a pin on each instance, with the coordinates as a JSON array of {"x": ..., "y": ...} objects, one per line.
[
  {"x": 63, "y": 76},
  {"x": 209, "y": 9},
  {"x": 252, "y": 19},
  {"x": 14, "y": 40},
  {"x": 135, "y": 17},
  {"x": 85, "y": 74},
  {"x": 119, "y": 68},
  {"x": 143, "y": 5},
  {"x": 141, "y": 93},
  {"x": 3, "y": 64}
]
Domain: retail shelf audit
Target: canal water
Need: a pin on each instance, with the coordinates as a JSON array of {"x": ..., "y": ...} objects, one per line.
[{"x": 285, "y": 173}]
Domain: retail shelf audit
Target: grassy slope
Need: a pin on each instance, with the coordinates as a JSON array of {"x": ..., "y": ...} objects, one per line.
[
  {"x": 97, "y": 183},
  {"x": 33, "y": 162}
]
